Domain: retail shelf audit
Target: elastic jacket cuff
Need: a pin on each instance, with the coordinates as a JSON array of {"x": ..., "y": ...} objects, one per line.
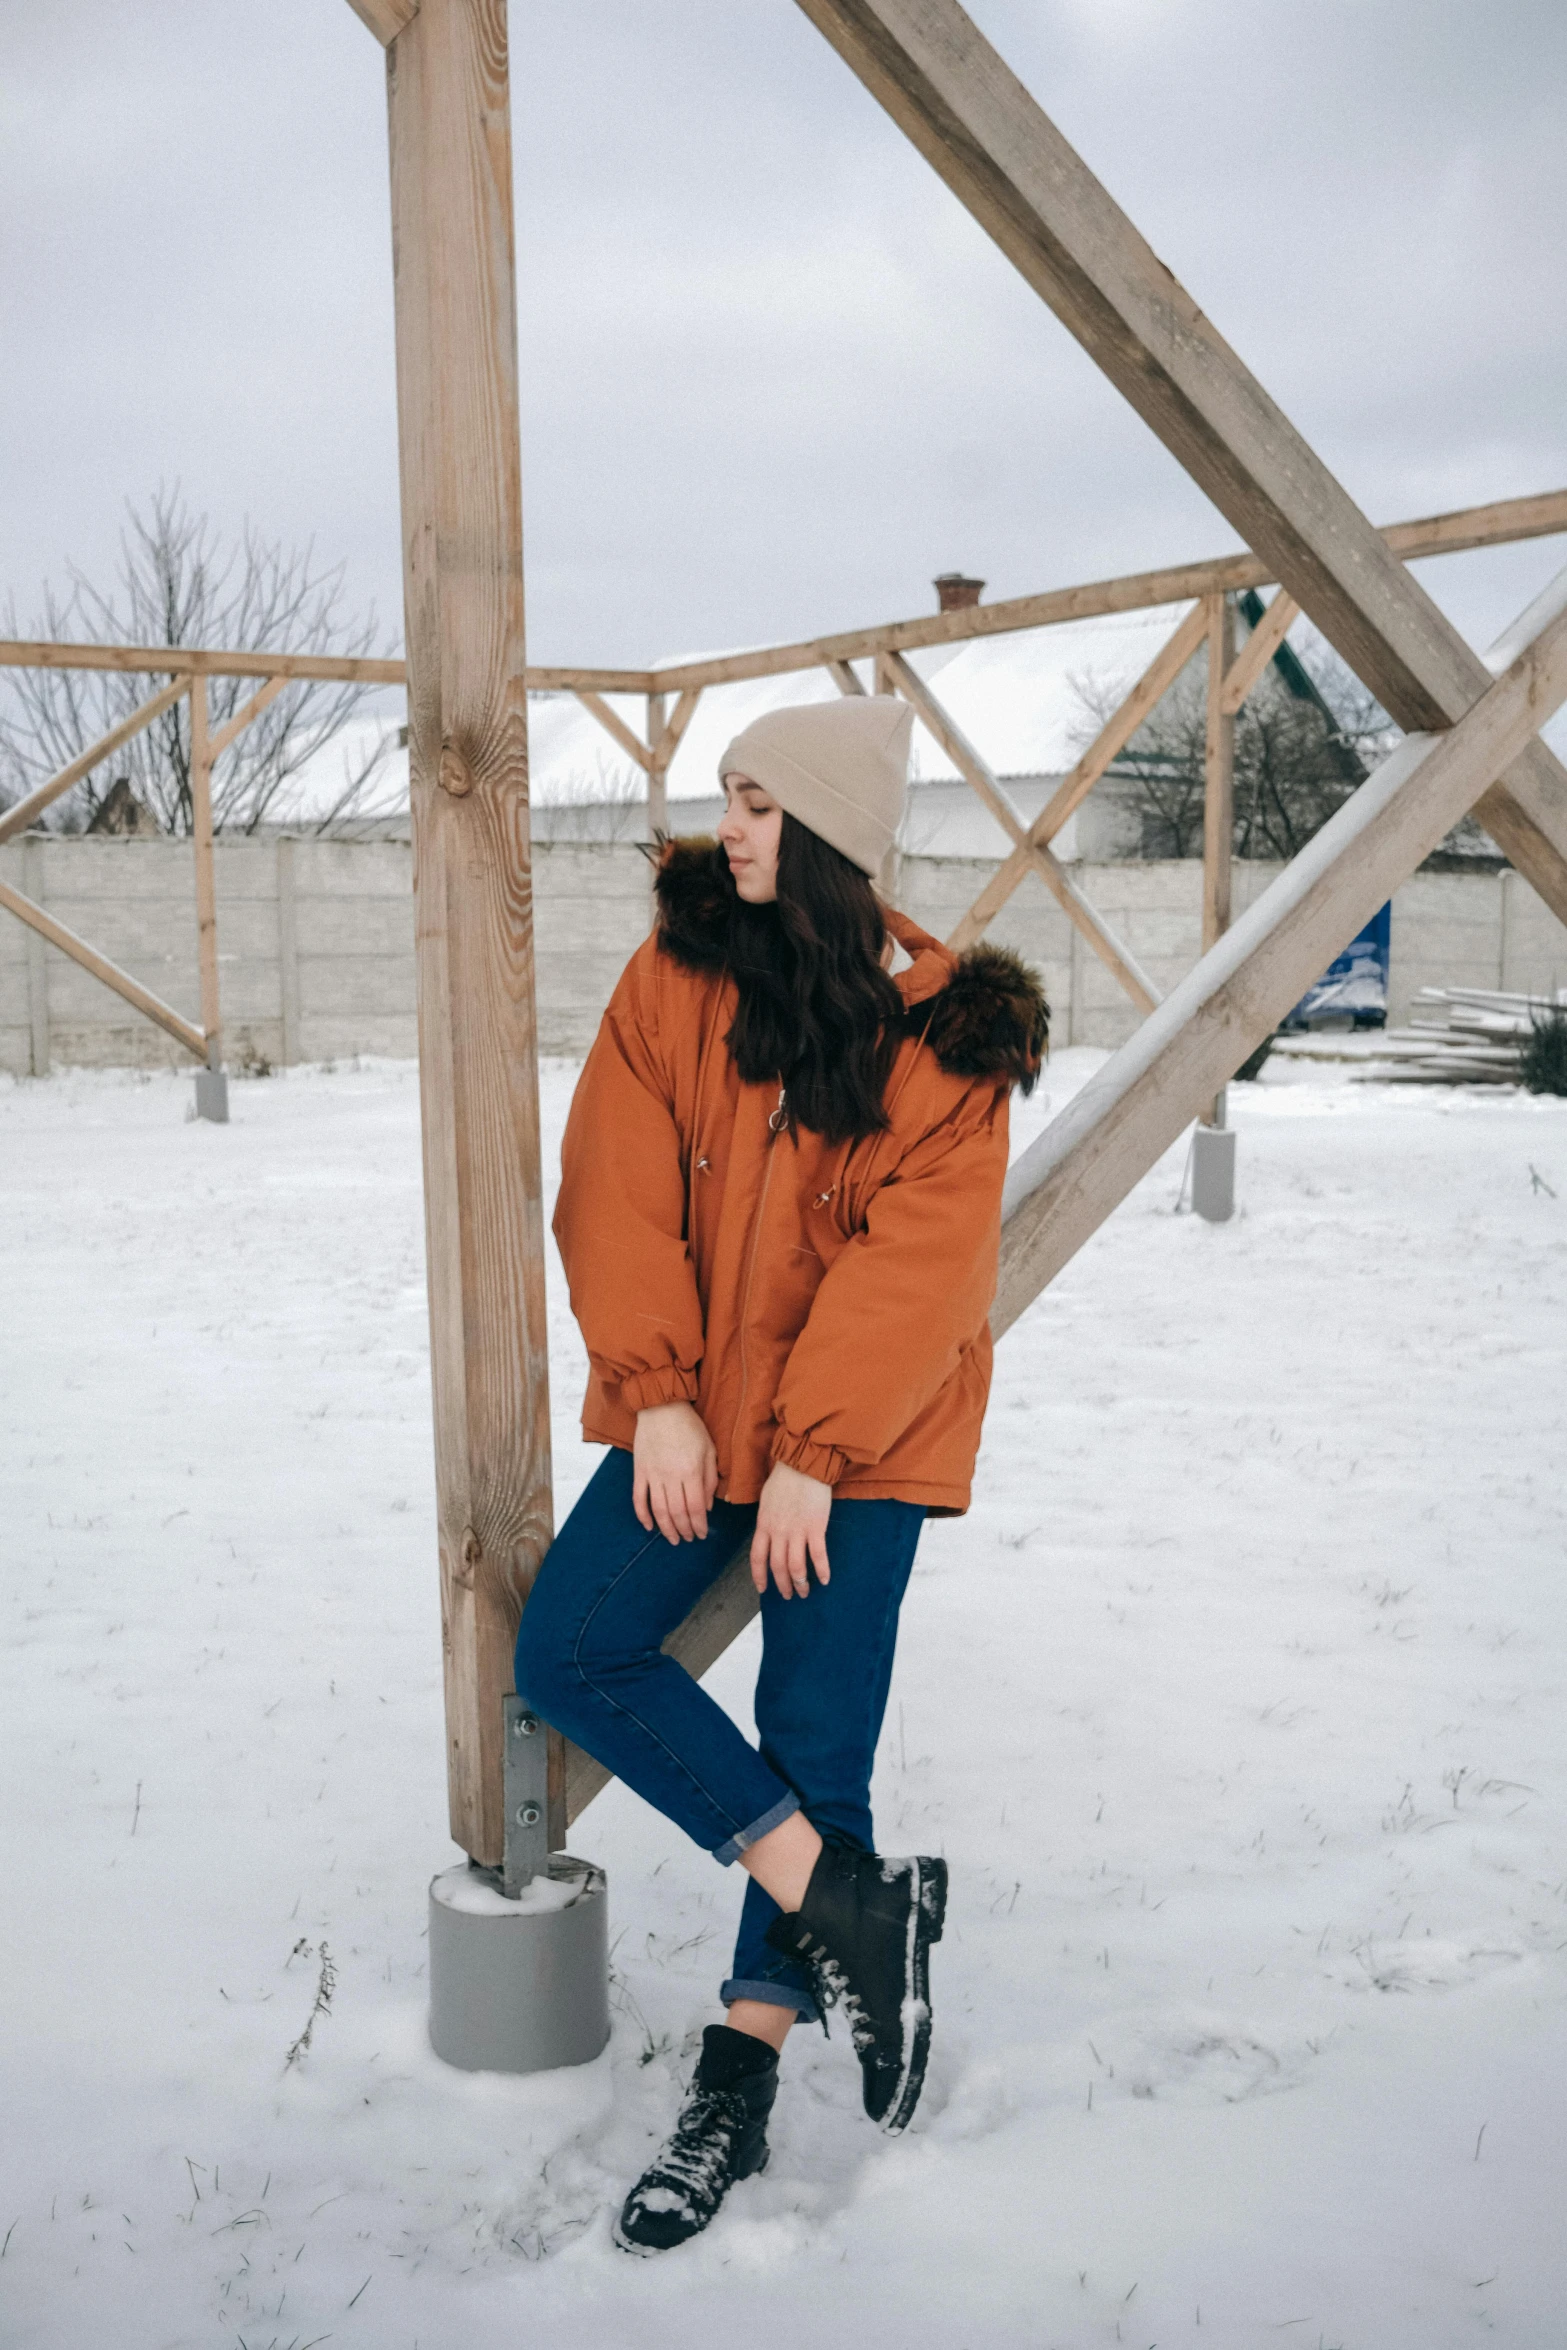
[
  {"x": 822, "y": 1461},
  {"x": 670, "y": 1384}
]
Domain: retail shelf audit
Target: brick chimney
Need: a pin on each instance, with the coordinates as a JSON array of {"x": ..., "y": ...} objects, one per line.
[{"x": 955, "y": 592}]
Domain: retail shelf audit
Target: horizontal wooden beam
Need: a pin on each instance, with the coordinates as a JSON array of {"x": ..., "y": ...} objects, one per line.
[
  {"x": 203, "y": 661},
  {"x": 25, "y": 812},
  {"x": 1496, "y": 524},
  {"x": 196, "y": 661},
  {"x": 1107, "y": 1138},
  {"x": 141, "y": 998},
  {"x": 385, "y": 18},
  {"x": 1499, "y": 523}
]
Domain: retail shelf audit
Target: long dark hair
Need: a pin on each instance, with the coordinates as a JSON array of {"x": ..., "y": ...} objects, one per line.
[{"x": 818, "y": 1014}]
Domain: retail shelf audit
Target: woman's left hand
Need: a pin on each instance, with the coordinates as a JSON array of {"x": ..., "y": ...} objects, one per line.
[{"x": 791, "y": 1532}]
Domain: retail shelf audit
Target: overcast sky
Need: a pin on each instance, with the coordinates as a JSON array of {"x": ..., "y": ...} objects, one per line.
[{"x": 774, "y": 378}]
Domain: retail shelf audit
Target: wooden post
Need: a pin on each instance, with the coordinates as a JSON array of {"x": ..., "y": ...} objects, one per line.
[
  {"x": 287, "y": 955},
  {"x": 206, "y": 889},
  {"x": 37, "y": 965},
  {"x": 1218, "y": 802},
  {"x": 454, "y": 277},
  {"x": 657, "y": 788},
  {"x": 1218, "y": 798}
]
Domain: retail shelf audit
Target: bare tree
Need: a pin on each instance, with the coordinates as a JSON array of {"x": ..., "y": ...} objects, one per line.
[
  {"x": 178, "y": 585},
  {"x": 1304, "y": 739}
]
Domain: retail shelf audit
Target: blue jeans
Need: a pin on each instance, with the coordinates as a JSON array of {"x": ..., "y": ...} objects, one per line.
[{"x": 590, "y": 1661}]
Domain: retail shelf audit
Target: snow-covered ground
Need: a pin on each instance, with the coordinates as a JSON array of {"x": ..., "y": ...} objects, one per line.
[{"x": 1237, "y": 1703}]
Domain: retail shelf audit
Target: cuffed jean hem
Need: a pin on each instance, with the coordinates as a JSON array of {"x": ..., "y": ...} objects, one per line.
[
  {"x": 743, "y": 1838},
  {"x": 771, "y": 1995}
]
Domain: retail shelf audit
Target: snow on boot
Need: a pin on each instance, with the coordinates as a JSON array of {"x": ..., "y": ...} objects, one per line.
[
  {"x": 721, "y": 2136},
  {"x": 865, "y": 1929}
]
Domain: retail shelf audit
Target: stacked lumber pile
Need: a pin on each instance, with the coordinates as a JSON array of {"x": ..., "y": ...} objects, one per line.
[
  {"x": 1456, "y": 1036},
  {"x": 1461, "y": 1036}
]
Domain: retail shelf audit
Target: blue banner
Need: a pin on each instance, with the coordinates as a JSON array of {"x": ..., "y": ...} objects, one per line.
[{"x": 1352, "y": 992}]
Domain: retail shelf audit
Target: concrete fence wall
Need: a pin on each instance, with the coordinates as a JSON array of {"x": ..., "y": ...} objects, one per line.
[{"x": 316, "y": 942}]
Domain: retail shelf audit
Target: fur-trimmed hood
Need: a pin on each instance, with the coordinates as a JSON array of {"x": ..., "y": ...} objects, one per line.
[{"x": 983, "y": 1013}]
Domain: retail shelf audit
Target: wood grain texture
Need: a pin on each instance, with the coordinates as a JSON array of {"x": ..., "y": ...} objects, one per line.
[
  {"x": 1064, "y": 1186},
  {"x": 467, "y": 715},
  {"x": 141, "y": 998},
  {"x": 26, "y": 812},
  {"x": 968, "y": 114}
]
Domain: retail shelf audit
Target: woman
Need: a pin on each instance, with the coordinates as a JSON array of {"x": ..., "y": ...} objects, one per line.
[{"x": 779, "y": 1215}]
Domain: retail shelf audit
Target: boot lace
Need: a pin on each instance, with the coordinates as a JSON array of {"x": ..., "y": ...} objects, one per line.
[{"x": 690, "y": 2172}]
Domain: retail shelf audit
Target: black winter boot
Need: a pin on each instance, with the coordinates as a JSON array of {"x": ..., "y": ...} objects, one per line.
[
  {"x": 721, "y": 2136},
  {"x": 865, "y": 1929}
]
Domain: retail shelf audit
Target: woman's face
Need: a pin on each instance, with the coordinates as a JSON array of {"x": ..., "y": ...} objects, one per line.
[{"x": 749, "y": 832}]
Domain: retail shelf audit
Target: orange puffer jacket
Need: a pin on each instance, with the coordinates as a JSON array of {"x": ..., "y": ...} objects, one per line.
[{"x": 824, "y": 1305}]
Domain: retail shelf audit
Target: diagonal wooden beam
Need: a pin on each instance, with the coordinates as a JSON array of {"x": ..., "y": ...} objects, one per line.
[
  {"x": 975, "y": 123},
  {"x": 1064, "y": 1186},
  {"x": 1117, "y": 959},
  {"x": 1258, "y": 650},
  {"x": 28, "y": 811},
  {"x": 99, "y": 966},
  {"x": 614, "y": 724},
  {"x": 246, "y": 716},
  {"x": 844, "y": 676},
  {"x": 945, "y": 731},
  {"x": 1073, "y": 789},
  {"x": 385, "y": 18}
]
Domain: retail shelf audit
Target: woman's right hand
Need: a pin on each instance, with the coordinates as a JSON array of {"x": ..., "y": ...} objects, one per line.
[{"x": 675, "y": 1471}]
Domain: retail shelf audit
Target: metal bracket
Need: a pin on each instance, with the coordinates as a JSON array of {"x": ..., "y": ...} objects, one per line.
[{"x": 526, "y": 1849}]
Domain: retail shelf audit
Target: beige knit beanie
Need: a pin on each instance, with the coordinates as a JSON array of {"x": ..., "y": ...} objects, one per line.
[{"x": 841, "y": 768}]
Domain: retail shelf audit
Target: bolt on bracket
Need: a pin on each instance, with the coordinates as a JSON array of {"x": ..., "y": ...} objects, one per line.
[{"x": 526, "y": 1850}]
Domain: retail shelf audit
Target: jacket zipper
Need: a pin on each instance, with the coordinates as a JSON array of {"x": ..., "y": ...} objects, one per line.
[{"x": 774, "y": 1122}]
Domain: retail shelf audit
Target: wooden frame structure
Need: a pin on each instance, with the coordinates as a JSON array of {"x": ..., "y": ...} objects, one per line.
[
  {"x": 885, "y": 646},
  {"x": 189, "y": 681},
  {"x": 1472, "y": 742}
]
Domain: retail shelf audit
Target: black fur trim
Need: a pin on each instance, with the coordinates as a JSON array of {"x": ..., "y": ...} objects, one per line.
[
  {"x": 694, "y": 892},
  {"x": 990, "y": 1020}
]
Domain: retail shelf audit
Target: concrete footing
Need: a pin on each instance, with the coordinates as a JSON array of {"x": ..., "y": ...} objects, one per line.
[
  {"x": 212, "y": 1095},
  {"x": 1213, "y": 1173},
  {"x": 519, "y": 1986}
]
